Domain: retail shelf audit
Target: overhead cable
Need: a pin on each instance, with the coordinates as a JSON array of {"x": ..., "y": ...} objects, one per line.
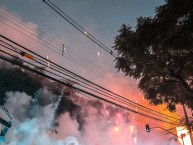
[
  {"x": 78, "y": 27},
  {"x": 114, "y": 95}
]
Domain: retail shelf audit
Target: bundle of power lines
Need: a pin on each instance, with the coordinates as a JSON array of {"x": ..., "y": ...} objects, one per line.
[
  {"x": 78, "y": 27},
  {"x": 10, "y": 49}
]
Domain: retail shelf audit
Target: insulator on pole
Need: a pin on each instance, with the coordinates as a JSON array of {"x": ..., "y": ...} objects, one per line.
[{"x": 24, "y": 54}]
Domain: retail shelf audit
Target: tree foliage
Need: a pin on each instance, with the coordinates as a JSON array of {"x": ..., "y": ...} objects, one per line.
[{"x": 159, "y": 52}]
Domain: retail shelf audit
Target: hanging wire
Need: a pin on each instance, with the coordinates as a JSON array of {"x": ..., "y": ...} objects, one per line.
[
  {"x": 92, "y": 67},
  {"x": 78, "y": 27},
  {"x": 121, "y": 101},
  {"x": 93, "y": 94}
]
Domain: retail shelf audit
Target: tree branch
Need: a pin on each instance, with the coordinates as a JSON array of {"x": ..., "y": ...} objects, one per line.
[{"x": 184, "y": 83}]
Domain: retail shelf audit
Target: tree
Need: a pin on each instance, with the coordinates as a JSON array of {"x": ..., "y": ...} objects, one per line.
[{"x": 159, "y": 53}]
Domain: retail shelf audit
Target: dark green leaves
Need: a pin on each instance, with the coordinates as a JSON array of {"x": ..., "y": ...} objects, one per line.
[{"x": 159, "y": 52}]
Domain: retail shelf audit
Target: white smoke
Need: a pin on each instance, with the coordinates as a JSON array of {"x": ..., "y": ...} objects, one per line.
[
  {"x": 17, "y": 103},
  {"x": 70, "y": 140},
  {"x": 25, "y": 130},
  {"x": 35, "y": 131},
  {"x": 100, "y": 129}
]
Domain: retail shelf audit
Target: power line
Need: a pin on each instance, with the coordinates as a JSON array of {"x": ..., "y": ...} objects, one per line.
[
  {"x": 76, "y": 88},
  {"x": 72, "y": 58},
  {"x": 82, "y": 78},
  {"x": 98, "y": 89},
  {"x": 78, "y": 27},
  {"x": 137, "y": 105}
]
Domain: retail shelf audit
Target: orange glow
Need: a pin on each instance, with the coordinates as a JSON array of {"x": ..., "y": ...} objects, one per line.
[
  {"x": 116, "y": 129},
  {"x": 27, "y": 56},
  {"x": 131, "y": 128}
]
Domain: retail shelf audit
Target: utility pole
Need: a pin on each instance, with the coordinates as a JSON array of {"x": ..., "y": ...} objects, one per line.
[{"x": 188, "y": 124}]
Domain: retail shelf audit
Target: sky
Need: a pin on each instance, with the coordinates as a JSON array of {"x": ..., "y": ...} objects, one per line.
[{"x": 101, "y": 18}]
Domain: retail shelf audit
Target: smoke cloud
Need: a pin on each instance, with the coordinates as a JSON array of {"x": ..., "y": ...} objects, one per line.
[{"x": 100, "y": 128}]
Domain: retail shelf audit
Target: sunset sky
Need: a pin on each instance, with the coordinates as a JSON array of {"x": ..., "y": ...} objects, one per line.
[{"x": 100, "y": 18}]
